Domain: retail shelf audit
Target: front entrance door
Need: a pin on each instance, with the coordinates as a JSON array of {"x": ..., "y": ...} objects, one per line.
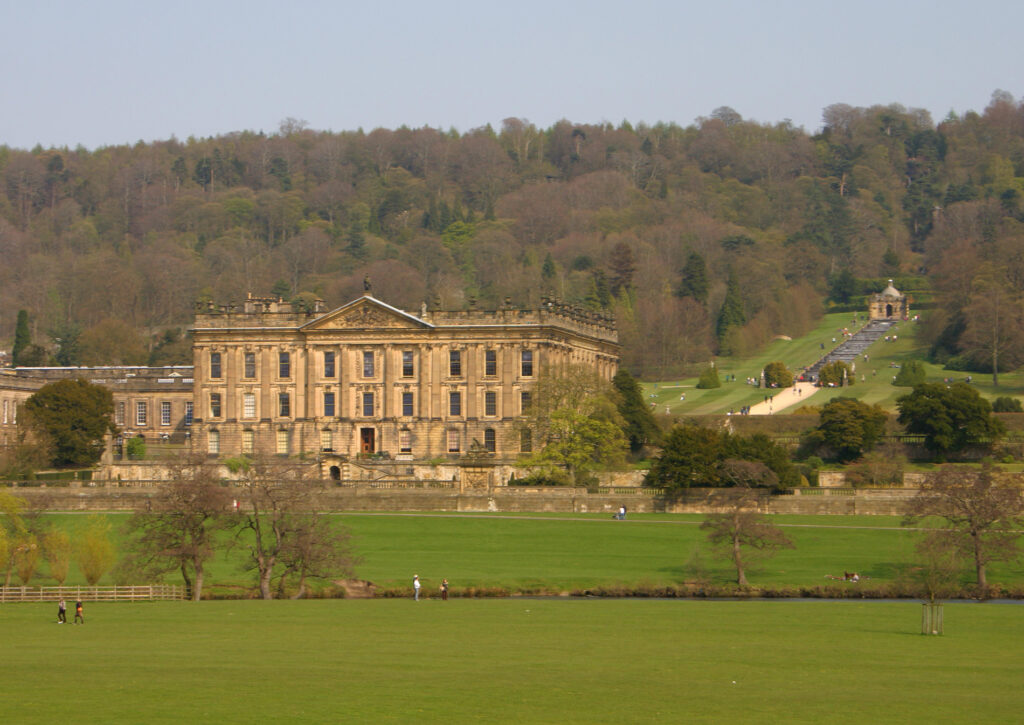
[{"x": 366, "y": 440}]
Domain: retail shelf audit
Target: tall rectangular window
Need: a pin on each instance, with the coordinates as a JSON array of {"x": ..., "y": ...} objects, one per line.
[
  {"x": 407, "y": 366},
  {"x": 249, "y": 365},
  {"x": 404, "y": 441},
  {"x": 215, "y": 371},
  {"x": 282, "y": 442},
  {"x": 525, "y": 440},
  {"x": 368, "y": 363},
  {"x": 118, "y": 413},
  {"x": 248, "y": 405},
  {"x": 326, "y": 440},
  {"x": 5, "y": 412},
  {"x": 527, "y": 364},
  {"x": 524, "y": 401},
  {"x": 407, "y": 404},
  {"x": 141, "y": 412},
  {"x": 490, "y": 440},
  {"x": 213, "y": 442},
  {"x": 165, "y": 412},
  {"x": 329, "y": 404},
  {"x": 455, "y": 363},
  {"x": 453, "y": 441},
  {"x": 214, "y": 405},
  {"x": 284, "y": 365},
  {"x": 490, "y": 363},
  {"x": 368, "y": 404},
  {"x": 490, "y": 403},
  {"x": 248, "y": 441},
  {"x": 284, "y": 405},
  {"x": 455, "y": 403},
  {"x": 188, "y": 413},
  {"x": 329, "y": 364}
]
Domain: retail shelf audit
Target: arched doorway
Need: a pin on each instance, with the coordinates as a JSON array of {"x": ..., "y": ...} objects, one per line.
[
  {"x": 335, "y": 473},
  {"x": 888, "y": 310}
]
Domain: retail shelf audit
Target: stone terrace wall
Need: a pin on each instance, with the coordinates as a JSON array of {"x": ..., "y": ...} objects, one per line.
[{"x": 128, "y": 497}]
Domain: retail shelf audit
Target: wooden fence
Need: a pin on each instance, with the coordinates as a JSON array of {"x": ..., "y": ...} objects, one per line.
[{"x": 148, "y": 593}]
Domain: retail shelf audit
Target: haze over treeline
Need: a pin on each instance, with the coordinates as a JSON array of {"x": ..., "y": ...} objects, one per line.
[{"x": 663, "y": 226}]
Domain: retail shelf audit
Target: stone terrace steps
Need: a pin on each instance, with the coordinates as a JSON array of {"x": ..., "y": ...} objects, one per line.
[{"x": 854, "y": 346}]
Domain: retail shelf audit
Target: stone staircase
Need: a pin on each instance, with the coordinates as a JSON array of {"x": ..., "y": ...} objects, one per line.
[{"x": 852, "y": 347}]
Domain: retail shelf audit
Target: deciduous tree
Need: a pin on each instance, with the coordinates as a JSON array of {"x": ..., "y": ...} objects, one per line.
[
  {"x": 995, "y": 324},
  {"x": 94, "y": 550},
  {"x": 75, "y": 415},
  {"x": 950, "y": 417},
  {"x": 58, "y": 551},
  {"x": 983, "y": 514},
  {"x": 848, "y": 427},
  {"x": 179, "y": 527},
  {"x": 574, "y": 418},
  {"x": 279, "y": 526},
  {"x": 740, "y": 533}
]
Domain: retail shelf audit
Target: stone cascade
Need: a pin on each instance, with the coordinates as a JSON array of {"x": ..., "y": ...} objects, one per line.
[{"x": 854, "y": 346}]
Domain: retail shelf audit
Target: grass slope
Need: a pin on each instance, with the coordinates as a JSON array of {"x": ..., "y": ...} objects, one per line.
[
  {"x": 876, "y": 387},
  {"x": 534, "y": 661}
]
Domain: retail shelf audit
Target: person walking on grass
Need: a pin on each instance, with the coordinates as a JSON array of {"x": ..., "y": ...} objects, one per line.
[
  {"x": 78, "y": 612},
  {"x": 416, "y": 587},
  {"x": 62, "y": 612},
  {"x": 444, "y": 590}
]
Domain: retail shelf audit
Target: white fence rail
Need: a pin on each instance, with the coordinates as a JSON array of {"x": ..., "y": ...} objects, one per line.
[{"x": 146, "y": 593}]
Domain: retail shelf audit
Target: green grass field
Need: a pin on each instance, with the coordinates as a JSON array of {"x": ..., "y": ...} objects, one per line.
[
  {"x": 512, "y": 661},
  {"x": 538, "y": 552},
  {"x": 798, "y": 353}
]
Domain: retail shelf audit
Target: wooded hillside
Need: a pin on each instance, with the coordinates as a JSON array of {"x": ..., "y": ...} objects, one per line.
[{"x": 665, "y": 226}]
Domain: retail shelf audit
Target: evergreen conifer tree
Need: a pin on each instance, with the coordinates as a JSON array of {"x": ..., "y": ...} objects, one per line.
[
  {"x": 22, "y": 338},
  {"x": 694, "y": 283},
  {"x": 731, "y": 314}
]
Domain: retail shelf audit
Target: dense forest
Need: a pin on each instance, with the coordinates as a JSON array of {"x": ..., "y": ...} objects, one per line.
[{"x": 705, "y": 239}]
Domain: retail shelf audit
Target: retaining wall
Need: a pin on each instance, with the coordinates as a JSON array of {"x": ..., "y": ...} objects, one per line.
[{"x": 134, "y": 497}]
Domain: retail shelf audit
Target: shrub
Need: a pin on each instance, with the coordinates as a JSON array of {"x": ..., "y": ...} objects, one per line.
[
  {"x": 777, "y": 375},
  {"x": 836, "y": 372},
  {"x": 911, "y": 373},
  {"x": 1006, "y": 404},
  {"x": 709, "y": 379},
  {"x": 136, "y": 448}
]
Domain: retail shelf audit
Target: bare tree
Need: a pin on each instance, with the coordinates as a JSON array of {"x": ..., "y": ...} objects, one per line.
[
  {"x": 980, "y": 510},
  {"x": 281, "y": 528},
  {"x": 315, "y": 548},
  {"x": 740, "y": 527},
  {"x": 995, "y": 321},
  {"x": 179, "y": 527},
  {"x": 940, "y": 562}
]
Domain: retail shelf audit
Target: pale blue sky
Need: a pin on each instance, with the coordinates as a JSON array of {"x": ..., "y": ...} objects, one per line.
[{"x": 116, "y": 71}]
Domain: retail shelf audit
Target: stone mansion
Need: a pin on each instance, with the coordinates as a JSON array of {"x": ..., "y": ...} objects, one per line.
[{"x": 363, "y": 380}]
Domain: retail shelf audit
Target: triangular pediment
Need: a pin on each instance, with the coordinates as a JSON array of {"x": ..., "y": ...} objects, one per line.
[{"x": 367, "y": 313}]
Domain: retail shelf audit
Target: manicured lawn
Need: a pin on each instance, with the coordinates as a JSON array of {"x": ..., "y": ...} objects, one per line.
[
  {"x": 577, "y": 551},
  {"x": 877, "y": 372},
  {"x": 512, "y": 660}
]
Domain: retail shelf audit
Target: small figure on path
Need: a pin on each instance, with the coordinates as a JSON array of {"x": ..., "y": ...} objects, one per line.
[
  {"x": 78, "y": 612},
  {"x": 416, "y": 587},
  {"x": 621, "y": 514},
  {"x": 444, "y": 590},
  {"x": 62, "y": 612}
]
